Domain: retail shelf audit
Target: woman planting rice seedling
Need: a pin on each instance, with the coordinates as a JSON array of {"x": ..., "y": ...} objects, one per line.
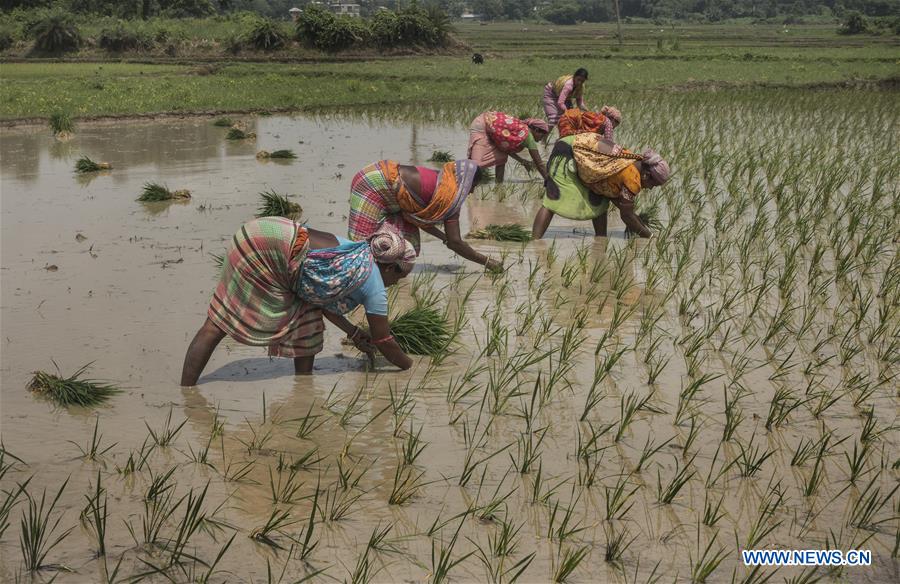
[
  {"x": 495, "y": 136},
  {"x": 414, "y": 197},
  {"x": 279, "y": 279},
  {"x": 587, "y": 172},
  {"x": 576, "y": 121},
  {"x": 560, "y": 94}
]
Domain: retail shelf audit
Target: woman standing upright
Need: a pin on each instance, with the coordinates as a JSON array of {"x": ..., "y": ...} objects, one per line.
[{"x": 564, "y": 93}]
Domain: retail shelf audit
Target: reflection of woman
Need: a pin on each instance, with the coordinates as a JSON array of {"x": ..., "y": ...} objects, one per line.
[
  {"x": 414, "y": 197},
  {"x": 495, "y": 136},
  {"x": 559, "y": 95},
  {"x": 586, "y": 173},
  {"x": 279, "y": 279}
]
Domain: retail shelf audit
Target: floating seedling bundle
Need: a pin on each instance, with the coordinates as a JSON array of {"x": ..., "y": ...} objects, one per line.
[
  {"x": 275, "y": 205},
  {"x": 276, "y": 155},
  {"x": 239, "y": 134},
  {"x": 505, "y": 232},
  {"x": 62, "y": 125},
  {"x": 441, "y": 156},
  {"x": 72, "y": 390},
  {"x": 223, "y": 122},
  {"x": 155, "y": 192},
  {"x": 85, "y": 164}
]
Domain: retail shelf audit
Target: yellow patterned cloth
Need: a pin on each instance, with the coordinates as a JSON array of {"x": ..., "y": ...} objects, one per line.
[{"x": 606, "y": 174}]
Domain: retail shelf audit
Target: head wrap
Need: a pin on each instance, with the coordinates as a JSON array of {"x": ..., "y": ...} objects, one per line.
[
  {"x": 612, "y": 113},
  {"x": 389, "y": 247},
  {"x": 538, "y": 124},
  {"x": 656, "y": 166}
]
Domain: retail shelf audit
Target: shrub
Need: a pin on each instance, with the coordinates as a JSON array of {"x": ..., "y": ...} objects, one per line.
[
  {"x": 317, "y": 28},
  {"x": 561, "y": 12},
  {"x": 854, "y": 23},
  {"x": 6, "y": 39},
  {"x": 410, "y": 26},
  {"x": 265, "y": 35},
  {"x": 120, "y": 38},
  {"x": 56, "y": 33}
]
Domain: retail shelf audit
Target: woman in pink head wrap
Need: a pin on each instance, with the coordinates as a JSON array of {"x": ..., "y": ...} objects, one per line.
[
  {"x": 280, "y": 280},
  {"x": 496, "y": 136}
]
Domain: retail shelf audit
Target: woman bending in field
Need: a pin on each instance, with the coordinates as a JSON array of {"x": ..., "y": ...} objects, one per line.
[
  {"x": 410, "y": 198},
  {"x": 586, "y": 173},
  {"x": 495, "y": 136},
  {"x": 576, "y": 121},
  {"x": 564, "y": 93},
  {"x": 280, "y": 279}
]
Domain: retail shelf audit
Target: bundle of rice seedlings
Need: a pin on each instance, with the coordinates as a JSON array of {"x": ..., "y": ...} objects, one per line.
[
  {"x": 72, "y": 390},
  {"x": 275, "y": 205},
  {"x": 422, "y": 330},
  {"x": 62, "y": 125},
  {"x": 441, "y": 156},
  {"x": 239, "y": 134},
  {"x": 277, "y": 154},
  {"x": 222, "y": 122},
  {"x": 155, "y": 192},
  {"x": 484, "y": 176},
  {"x": 85, "y": 164},
  {"x": 650, "y": 218},
  {"x": 505, "y": 232}
]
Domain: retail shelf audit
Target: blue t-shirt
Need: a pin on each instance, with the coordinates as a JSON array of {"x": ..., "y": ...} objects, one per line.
[{"x": 372, "y": 294}]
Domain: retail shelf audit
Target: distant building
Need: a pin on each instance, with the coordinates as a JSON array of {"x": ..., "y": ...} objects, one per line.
[{"x": 345, "y": 9}]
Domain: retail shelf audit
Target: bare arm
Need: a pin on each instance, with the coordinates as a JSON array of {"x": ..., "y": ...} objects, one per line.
[
  {"x": 381, "y": 333},
  {"x": 564, "y": 95},
  {"x": 626, "y": 210},
  {"x": 455, "y": 243},
  {"x": 539, "y": 163}
]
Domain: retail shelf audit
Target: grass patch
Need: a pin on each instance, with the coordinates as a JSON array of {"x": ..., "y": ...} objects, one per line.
[
  {"x": 155, "y": 192},
  {"x": 71, "y": 390},
  {"x": 505, "y": 232},
  {"x": 275, "y": 205},
  {"x": 85, "y": 164},
  {"x": 61, "y": 123}
]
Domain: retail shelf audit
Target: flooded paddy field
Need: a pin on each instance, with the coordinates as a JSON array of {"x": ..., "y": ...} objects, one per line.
[{"x": 614, "y": 410}]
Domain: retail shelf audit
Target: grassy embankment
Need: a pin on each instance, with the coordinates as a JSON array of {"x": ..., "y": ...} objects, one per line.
[{"x": 518, "y": 62}]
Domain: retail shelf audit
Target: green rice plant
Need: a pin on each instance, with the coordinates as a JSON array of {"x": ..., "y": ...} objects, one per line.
[
  {"x": 617, "y": 542},
  {"x": 339, "y": 502},
  {"x": 11, "y": 498},
  {"x": 285, "y": 489},
  {"x": 309, "y": 423},
  {"x": 285, "y": 154},
  {"x": 441, "y": 156},
  {"x": 441, "y": 557},
  {"x": 307, "y": 461},
  {"x": 278, "y": 520},
  {"x": 568, "y": 561},
  {"x": 71, "y": 390},
  {"x": 619, "y": 498},
  {"x": 869, "y": 503},
  {"x": 155, "y": 193},
  {"x": 870, "y": 431},
  {"x": 502, "y": 232},
  {"x": 274, "y": 205},
  {"x": 781, "y": 406},
  {"x": 222, "y": 122},
  {"x": 629, "y": 406},
  {"x": 569, "y": 524},
  {"x": 406, "y": 485},
  {"x": 707, "y": 560},
  {"x": 412, "y": 446},
  {"x": 36, "y": 537},
  {"x": 159, "y": 485},
  {"x": 733, "y": 417},
  {"x": 541, "y": 489},
  {"x": 61, "y": 124},
  {"x": 305, "y": 539},
  {"x": 712, "y": 510},
  {"x": 157, "y": 512},
  {"x": 85, "y": 164},
  {"x": 856, "y": 464},
  {"x": 422, "y": 330},
  {"x": 167, "y": 434},
  {"x": 683, "y": 475},
  {"x": 750, "y": 460},
  {"x": 649, "y": 450},
  {"x": 93, "y": 451},
  {"x": 95, "y": 514}
]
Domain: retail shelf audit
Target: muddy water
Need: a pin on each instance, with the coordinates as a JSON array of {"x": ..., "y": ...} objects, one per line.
[{"x": 129, "y": 293}]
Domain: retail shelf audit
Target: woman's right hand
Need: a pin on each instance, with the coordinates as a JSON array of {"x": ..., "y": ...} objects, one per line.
[{"x": 493, "y": 265}]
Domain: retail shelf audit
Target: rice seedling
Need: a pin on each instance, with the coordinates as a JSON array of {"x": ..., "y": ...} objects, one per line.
[
  {"x": 137, "y": 460},
  {"x": 406, "y": 485},
  {"x": 167, "y": 434},
  {"x": 222, "y": 122},
  {"x": 93, "y": 450},
  {"x": 412, "y": 446},
  {"x": 305, "y": 538},
  {"x": 422, "y": 330},
  {"x": 617, "y": 542},
  {"x": 62, "y": 125},
  {"x": 504, "y": 232},
  {"x": 568, "y": 561},
  {"x": 159, "y": 485},
  {"x": 85, "y": 165},
  {"x": 11, "y": 498},
  {"x": 618, "y": 498},
  {"x": 279, "y": 519},
  {"x": 683, "y": 475},
  {"x": 95, "y": 514},
  {"x": 629, "y": 406},
  {"x": 712, "y": 510},
  {"x": 36, "y": 537},
  {"x": 441, "y": 156},
  {"x": 239, "y": 134},
  {"x": 750, "y": 460},
  {"x": 71, "y": 390},
  {"x": 339, "y": 502},
  {"x": 155, "y": 193},
  {"x": 870, "y": 502},
  {"x": 782, "y": 405},
  {"x": 285, "y": 154},
  {"x": 285, "y": 489},
  {"x": 707, "y": 560}
]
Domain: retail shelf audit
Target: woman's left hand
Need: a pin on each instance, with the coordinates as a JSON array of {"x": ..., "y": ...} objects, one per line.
[{"x": 362, "y": 341}]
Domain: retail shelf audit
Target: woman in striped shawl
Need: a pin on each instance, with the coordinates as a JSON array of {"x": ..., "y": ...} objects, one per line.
[{"x": 280, "y": 279}]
